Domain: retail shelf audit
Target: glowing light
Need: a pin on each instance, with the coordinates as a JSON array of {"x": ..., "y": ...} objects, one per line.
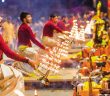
[
  {"x": 3, "y": 1},
  {"x": 19, "y": 93},
  {"x": 35, "y": 93}
]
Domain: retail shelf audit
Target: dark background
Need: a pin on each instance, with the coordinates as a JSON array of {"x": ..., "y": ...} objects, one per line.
[{"x": 40, "y": 8}]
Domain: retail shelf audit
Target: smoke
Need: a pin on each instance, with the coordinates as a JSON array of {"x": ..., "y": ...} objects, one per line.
[{"x": 40, "y": 8}]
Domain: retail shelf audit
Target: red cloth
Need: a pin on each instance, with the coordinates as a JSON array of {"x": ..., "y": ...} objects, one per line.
[
  {"x": 25, "y": 36},
  {"x": 70, "y": 22},
  {"x": 49, "y": 28},
  {"x": 11, "y": 54},
  {"x": 61, "y": 25}
]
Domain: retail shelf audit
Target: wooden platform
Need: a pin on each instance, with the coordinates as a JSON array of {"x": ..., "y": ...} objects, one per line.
[{"x": 61, "y": 80}]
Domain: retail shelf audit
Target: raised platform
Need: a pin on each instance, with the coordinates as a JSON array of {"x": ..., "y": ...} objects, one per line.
[{"x": 60, "y": 81}]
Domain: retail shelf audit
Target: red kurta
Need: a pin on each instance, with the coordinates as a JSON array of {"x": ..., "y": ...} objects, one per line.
[
  {"x": 70, "y": 22},
  {"x": 49, "y": 28},
  {"x": 25, "y": 36},
  {"x": 11, "y": 54},
  {"x": 61, "y": 25}
]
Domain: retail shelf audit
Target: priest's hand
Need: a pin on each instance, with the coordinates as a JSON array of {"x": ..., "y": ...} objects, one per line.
[
  {"x": 32, "y": 63},
  {"x": 47, "y": 49}
]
